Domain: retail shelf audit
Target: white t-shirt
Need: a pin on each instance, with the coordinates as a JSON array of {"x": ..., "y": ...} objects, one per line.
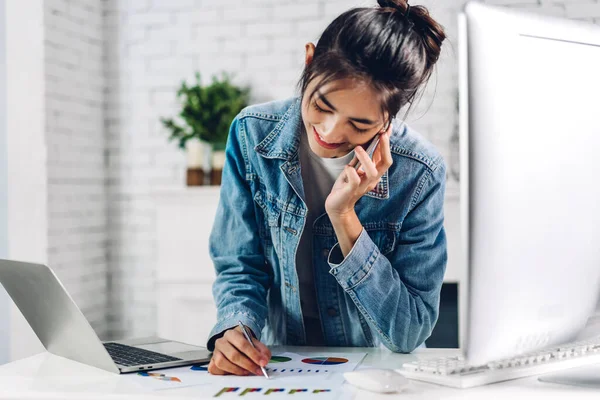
[{"x": 318, "y": 176}]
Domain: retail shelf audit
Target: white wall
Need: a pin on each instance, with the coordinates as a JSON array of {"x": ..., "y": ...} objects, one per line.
[
  {"x": 4, "y": 299},
  {"x": 76, "y": 171},
  {"x": 55, "y": 145},
  {"x": 26, "y": 151}
]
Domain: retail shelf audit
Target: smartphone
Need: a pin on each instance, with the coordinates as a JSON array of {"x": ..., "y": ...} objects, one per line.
[{"x": 370, "y": 150}]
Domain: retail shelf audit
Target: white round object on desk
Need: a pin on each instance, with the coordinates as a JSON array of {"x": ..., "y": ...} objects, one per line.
[{"x": 377, "y": 380}]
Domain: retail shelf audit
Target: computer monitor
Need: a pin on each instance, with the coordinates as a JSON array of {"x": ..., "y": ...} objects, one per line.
[{"x": 530, "y": 179}]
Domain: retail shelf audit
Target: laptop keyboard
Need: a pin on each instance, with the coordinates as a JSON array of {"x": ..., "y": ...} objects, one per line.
[{"x": 129, "y": 356}]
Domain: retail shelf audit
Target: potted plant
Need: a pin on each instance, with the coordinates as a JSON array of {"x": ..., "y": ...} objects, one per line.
[{"x": 207, "y": 112}]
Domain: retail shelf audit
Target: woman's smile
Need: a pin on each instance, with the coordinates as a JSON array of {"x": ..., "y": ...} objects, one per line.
[{"x": 323, "y": 143}]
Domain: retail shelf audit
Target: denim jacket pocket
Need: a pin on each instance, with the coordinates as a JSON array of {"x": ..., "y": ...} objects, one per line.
[{"x": 383, "y": 234}]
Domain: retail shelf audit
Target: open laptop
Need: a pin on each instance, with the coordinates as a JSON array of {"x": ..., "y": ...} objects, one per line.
[{"x": 64, "y": 331}]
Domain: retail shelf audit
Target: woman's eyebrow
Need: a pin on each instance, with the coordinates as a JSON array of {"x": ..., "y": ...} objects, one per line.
[{"x": 328, "y": 104}]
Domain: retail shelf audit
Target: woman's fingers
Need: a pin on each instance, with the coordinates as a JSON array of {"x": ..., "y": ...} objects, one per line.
[
  {"x": 384, "y": 154},
  {"x": 237, "y": 339},
  {"x": 371, "y": 175},
  {"x": 264, "y": 350},
  {"x": 367, "y": 165},
  {"x": 220, "y": 365},
  {"x": 351, "y": 176},
  {"x": 237, "y": 358},
  {"x": 354, "y": 160},
  {"x": 212, "y": 366},
  {"x": 235, "y": 355}
]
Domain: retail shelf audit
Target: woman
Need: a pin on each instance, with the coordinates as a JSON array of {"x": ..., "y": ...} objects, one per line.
[{"x": 309, "y": 250}]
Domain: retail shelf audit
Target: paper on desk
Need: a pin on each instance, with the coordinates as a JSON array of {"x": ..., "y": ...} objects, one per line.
[{"x": 313, "y": 373}]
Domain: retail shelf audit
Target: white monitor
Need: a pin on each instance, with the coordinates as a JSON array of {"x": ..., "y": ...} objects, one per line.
[{"x": 530, "y": 179}]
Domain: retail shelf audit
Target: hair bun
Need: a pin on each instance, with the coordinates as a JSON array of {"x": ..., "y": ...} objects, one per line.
[
  {"x": 432, "y": 33},
  {"x": 400, "y": 5}
]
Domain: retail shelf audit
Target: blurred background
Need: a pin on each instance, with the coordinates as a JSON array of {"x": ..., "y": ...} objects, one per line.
[{"x": 90, "y": 182}]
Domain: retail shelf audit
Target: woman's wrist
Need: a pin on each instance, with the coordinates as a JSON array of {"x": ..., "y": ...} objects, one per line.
[{"x": 347, "y": 228}]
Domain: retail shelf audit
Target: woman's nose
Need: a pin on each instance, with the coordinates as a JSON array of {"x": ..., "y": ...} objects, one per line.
[{"x": 332, "y": 131}]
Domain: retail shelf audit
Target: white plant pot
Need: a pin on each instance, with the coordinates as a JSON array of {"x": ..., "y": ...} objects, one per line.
[
  {"x": 218, "y": 159},
  {"x": 198, "y": 154}
]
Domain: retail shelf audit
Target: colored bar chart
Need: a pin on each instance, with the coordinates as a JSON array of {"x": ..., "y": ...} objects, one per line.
[{"x": 233, "y": 391}]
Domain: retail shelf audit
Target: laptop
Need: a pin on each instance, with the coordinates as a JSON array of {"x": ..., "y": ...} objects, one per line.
[{"x": 64, "y": 331}]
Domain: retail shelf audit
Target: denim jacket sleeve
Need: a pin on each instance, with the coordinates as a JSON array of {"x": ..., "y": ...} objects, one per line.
[
  {"x": 398, "y": 294},
  {"x": 242, "y": 278}
]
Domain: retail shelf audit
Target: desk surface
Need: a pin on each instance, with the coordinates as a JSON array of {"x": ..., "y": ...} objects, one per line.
[{"x": 48, "y": 376}]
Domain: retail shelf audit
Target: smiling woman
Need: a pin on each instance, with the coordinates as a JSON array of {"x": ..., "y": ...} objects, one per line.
[{"x": 310, "y": 248}]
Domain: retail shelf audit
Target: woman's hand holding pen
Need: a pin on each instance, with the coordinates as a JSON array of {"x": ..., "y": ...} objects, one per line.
[{"x": 233, "y": 354}]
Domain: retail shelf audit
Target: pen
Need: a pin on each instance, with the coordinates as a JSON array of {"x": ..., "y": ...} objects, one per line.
[
  {"x": 370, "y": 150},
  {"x": 245, "y": 332}
]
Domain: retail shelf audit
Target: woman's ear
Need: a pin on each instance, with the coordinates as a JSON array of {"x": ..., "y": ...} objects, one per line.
[
  {"x": 310, "y": 51},
  {"x": 386, "y": 128}
]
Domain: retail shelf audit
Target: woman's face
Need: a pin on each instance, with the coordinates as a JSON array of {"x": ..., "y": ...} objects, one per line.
[{"x": 340, "y": 116}]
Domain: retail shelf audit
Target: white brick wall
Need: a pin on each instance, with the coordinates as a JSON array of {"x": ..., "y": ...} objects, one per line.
[
  {"x": 151, "y": 45},
  {"x": 5, "y": 305},
  {"x": 27, "y": 183},
  {"x": 75, "y": 140}
]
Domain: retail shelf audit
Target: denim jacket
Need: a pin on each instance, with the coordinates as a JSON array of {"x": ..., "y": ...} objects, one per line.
[{"x": 385, "y": 291}]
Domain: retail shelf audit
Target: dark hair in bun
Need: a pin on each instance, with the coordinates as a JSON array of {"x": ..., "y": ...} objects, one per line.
[{"x": 394, "y": 47}]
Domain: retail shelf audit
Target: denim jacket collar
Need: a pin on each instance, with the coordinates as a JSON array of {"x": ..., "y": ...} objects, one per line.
[{"x": 283, "y": 142}]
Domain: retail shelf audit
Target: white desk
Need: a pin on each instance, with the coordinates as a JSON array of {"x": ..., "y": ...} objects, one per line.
[{"x": 48, "y": 376}]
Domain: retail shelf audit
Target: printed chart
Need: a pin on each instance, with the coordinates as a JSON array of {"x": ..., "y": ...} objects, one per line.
[
  {"x": 305, "y": 371},
  {"x": 304, "y": 375},
  {"x": 160, "y": 377},
  {"x": 279, "y": 359},
  {"x": 325, "y": 360},
  {"x": 291, "y": 364},
  {"x": 240, "y": 391}
]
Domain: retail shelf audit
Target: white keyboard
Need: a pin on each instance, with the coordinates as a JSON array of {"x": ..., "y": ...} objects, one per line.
[{"x": 455, "y": 372}]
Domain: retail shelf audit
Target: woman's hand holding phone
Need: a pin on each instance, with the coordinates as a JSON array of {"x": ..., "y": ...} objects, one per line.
[{"x": 352, "y": 184}]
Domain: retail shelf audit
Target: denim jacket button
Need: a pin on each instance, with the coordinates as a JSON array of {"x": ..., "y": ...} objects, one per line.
[{"x": 332, "y": 312}]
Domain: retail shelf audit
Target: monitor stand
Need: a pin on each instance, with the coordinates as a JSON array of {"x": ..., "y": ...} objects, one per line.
[{"x": 587, "y": 375}]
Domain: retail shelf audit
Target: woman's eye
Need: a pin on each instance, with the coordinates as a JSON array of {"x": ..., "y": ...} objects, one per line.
[
  {"x": 360, "y": 130},
  {"x": 319, "y": 109}
]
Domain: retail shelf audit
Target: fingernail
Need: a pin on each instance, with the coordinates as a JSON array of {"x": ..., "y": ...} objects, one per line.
[{"x": 263, "y": 361}]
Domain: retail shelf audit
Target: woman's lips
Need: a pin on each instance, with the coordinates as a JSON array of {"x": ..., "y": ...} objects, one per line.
[{"x": 322, "y": 143}]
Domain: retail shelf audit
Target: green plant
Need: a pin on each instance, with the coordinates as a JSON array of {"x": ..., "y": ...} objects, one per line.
[{"x": 207, "y": 111}]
